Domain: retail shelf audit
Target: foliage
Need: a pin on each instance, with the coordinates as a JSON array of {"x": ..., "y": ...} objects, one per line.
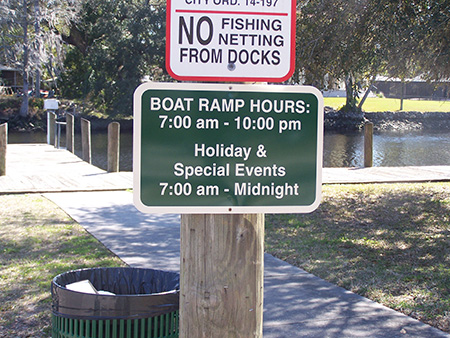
[
  {"x": 116, "y": 44},
  {"x": 8, "y": 102},
  {"x": 387, "y": 242},
  {"x": 434, "y": 21},
  {"x": 9, "y": 113},
  {"x": 352, "y": 41},
  {"x": 29, "y": 38},
  {"x": 337, "y": 42}
]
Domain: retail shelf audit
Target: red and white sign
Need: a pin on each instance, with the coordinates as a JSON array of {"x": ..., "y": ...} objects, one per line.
[{"x": 231, "y": 40}]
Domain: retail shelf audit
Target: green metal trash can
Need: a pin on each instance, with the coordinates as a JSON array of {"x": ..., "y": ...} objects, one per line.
[{"x": 130, "y": 303}]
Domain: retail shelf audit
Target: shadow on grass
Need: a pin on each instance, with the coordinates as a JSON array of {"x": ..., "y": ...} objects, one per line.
[
  {"x": 386, "y": 242},
  {"x": 37, "y": 242}
]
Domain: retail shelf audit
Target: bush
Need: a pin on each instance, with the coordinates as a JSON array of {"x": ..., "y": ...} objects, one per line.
[
  {"x": 9, "y": 112},
  {"x": 9, "y": 103},
  {"x": 36, "y": 103}
]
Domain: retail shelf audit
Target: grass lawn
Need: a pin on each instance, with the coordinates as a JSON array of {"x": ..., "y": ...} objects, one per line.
[
  {"x": 383, "y": 104},
  {"x": 387, "y": 242},
  {"x": 37, "y": 242}
]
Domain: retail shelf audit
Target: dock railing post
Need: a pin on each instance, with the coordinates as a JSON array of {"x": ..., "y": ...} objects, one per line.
[
  {"x": 3, "y": 143},
  {"x": 113, "y": 146},
  {"x": 70, "y": 132},
  {"x": 368, "y": 144},
  {"x": 86, "y": 140},
  {"x": 51, "y": 128},
  {"x": 59, "y": 126}
]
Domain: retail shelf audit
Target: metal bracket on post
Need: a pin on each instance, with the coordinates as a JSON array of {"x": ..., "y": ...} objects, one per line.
[
  {"x": 58, "y": 133},
  {"x": 51, "y": 106},
  {"x": 51, "y": 127}
]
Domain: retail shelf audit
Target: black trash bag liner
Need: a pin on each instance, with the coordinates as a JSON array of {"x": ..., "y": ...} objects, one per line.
[{"x": 138, "y": 293}]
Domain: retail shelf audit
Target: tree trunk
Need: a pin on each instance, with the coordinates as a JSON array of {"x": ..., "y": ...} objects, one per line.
[
  {"x": 24, "y": 106},
  {"x": 350, "y": 101},
  {"x": 402, "y": 94},
  {"x": 366, "y": 94},
  {"x": 37, "y": 31}
]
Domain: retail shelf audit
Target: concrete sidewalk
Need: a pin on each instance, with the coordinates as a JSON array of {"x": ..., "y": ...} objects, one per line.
[{"x": 296, "y": 304}]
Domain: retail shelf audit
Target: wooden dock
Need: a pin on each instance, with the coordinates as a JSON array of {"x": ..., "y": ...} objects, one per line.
[
  {"x": 39, "y": 168},
  {"x": 386, "y": 175},
  {"x": 32, "y": 168}
]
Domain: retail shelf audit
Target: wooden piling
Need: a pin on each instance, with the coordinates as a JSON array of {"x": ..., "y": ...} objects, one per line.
[
  {"x": 70, "y": 132},
  {"x": 51, "y": 128},
  {"x": 86, "y": 140},
  {"x": 221, "y": 286},
  {"x": 368, "y": 144},
  {"x": 113, "y": 146},
  {"x": 3, "y": 143}
]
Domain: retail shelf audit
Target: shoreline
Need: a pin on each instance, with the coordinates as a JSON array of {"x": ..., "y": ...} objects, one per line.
[
  {"x": 333, "y": 121},
  {"x": 386, "y": 121}
]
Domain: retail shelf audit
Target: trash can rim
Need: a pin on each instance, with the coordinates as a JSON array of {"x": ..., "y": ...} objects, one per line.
[
  {"x": 174, "y": 291},
  {"x": 119, "y": 295},
  {"x": 158, "y": 295}
]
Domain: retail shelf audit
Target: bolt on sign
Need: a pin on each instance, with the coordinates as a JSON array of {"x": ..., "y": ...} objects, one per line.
[
  {"x": 217, "y": 148},
  {"x": 223, "y": 40}
]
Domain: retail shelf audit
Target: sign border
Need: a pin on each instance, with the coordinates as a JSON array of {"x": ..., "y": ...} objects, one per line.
[
  {"x": 137, "y": 138},
  {"x": 231, "y": 78}
]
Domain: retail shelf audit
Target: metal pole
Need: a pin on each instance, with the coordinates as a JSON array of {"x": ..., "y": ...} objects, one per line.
[
  {"x": 48, "y": 127},
  {"x": 58, "y": 128}
]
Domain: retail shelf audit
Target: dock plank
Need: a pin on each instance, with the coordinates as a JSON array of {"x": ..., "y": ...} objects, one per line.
[
  {"x": 386, "y": 174},
  {"x": 43, "y": 168},
  {"x": 40, "y": 168}
]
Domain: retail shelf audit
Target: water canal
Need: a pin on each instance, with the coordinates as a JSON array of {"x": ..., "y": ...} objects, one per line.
[{"x": 412, "y": 148}]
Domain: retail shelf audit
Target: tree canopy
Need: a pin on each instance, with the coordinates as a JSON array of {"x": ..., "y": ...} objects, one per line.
[
  {"x": 354, "y": 40},
  {"x": 116, "y": 44},
  {"x": 110, "y": 46},
  {"x": 29, "y": 40}
]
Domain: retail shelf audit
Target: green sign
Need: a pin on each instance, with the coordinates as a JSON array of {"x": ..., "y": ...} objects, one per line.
[{"x": 227, "y": 148}]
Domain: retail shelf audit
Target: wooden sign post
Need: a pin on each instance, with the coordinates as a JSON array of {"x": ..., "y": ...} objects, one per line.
[
  {"x": 222, "y": 268},
  {"x": 222, "y": 156}
]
